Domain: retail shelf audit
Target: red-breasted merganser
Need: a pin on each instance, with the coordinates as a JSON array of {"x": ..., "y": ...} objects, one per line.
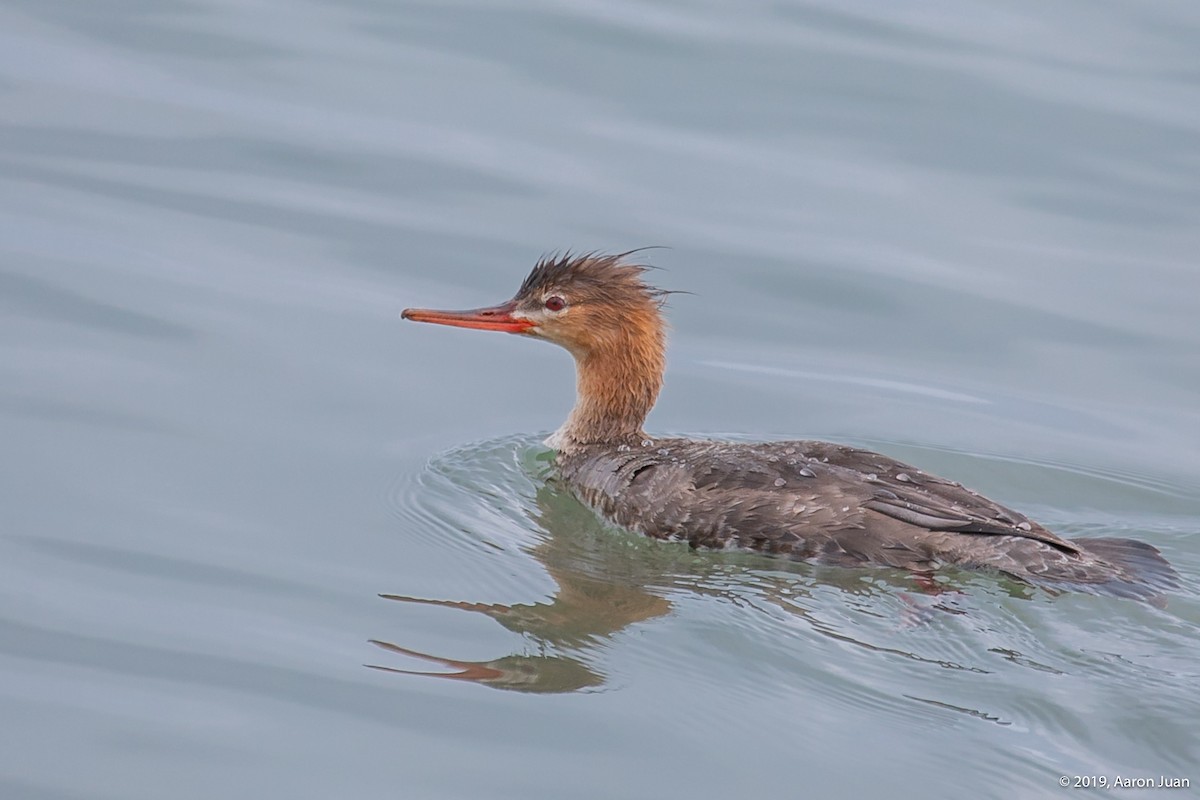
[{"x": 804, "y": 500}]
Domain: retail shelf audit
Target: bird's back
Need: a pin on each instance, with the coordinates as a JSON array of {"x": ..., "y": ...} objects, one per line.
[{"x": 841, "y": 505}]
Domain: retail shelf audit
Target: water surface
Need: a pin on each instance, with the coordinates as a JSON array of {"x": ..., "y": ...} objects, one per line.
[{"x": 242, "y": 502}]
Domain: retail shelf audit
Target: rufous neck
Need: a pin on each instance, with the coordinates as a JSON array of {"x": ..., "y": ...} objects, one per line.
[{"x": 616, "y": 386}]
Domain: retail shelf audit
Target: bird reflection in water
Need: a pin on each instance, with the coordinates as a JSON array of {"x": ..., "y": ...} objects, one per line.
[
  {"x": 518, "y": 673},
  {"x": 608, "y": 580},
  {"x": 605, "y": 584}
]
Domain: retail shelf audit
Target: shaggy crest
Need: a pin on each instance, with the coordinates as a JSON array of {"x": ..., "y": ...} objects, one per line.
[{"x": 600, "y": 272}]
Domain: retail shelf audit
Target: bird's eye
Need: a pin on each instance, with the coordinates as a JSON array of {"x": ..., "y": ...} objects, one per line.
[{"x": 555, "y": 303}]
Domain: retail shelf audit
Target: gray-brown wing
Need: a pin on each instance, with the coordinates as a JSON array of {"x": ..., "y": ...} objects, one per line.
[
  {"x": 905, "y": 493},
  {"x": 701, "y": 490}
]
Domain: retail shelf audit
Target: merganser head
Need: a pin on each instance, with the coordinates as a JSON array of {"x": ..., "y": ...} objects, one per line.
[
  {"x": 599, "y": 308},
  {"x": 583, "y": 303}
]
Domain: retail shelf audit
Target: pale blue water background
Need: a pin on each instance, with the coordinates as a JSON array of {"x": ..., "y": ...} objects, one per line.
[{"x": 963, "y": 233}]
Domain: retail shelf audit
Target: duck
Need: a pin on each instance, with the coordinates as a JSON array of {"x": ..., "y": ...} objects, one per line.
[{"x": 812, "y": 501}]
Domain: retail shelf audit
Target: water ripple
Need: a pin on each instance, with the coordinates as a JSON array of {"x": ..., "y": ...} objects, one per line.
[{"x": 979, "y": 649}]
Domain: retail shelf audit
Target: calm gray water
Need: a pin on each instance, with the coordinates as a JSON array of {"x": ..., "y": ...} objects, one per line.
[{"x": 965, "y": 234}]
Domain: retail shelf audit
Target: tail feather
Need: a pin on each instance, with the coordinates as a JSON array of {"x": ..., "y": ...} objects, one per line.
[{"x": 1139, "y": 570}]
